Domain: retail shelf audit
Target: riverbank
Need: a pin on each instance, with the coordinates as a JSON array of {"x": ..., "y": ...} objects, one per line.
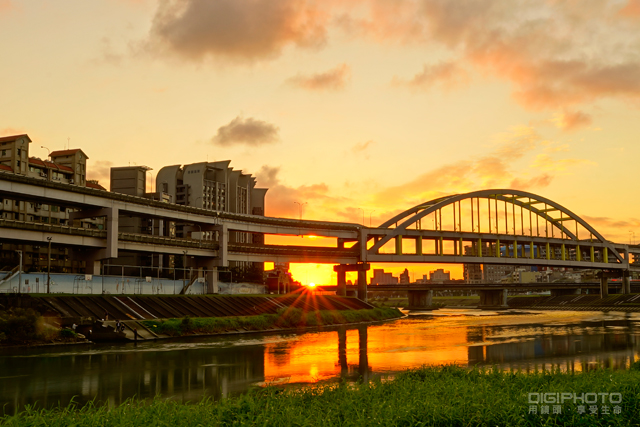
[
  {"x": 440, "y": 396},
  {"x": 286, "y": 318},
  {"x": 575, "y": 302}
]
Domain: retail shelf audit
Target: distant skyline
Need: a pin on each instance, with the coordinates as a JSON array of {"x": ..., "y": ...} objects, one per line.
[{"x": 354, "y": 107}]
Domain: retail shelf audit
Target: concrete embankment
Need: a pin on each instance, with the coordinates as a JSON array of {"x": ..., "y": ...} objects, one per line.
[
  {"x": 96, "y": 316},
  {"x": 626, "y": 303}
]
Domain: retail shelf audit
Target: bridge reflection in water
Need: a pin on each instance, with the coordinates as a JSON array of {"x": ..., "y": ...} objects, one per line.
[{"x": 220, "y": 367}]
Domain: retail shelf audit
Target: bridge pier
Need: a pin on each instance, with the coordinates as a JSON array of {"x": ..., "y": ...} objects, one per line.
[
  {"x": 494, "y": 299},
  {"x": 626, "y": 283},
  {"x": 342, "y": 282},
  {"x": 362, "y": 269},
  {"x": 420, "y": 300},
  {"x": 362, "y": 285}
]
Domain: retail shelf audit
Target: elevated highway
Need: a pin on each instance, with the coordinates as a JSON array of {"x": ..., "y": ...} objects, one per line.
[{"x": 506, "y": 227}]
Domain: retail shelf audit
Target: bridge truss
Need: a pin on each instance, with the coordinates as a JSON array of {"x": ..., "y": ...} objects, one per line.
[{"x": 492, "y": 227}]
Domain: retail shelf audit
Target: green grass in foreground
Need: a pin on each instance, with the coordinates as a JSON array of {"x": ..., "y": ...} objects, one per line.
[
  {"x": 442, "y": 396},
  {"x": 285, "y": 318}
]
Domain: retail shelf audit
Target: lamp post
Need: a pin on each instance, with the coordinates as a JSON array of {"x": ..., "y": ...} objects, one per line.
[
  {"x": 200, "y": 228},
  {"x": 48, "y": 151},
  {"x": 49, "y": 266},
  {"x": 184, "y": 270},
  {"x": 301, "y": 205},
  {"x": 20, "y": 271},
  {"x": 370, "y": 213}
]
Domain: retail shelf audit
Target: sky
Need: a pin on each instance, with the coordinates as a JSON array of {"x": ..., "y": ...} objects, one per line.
[{"x": 359, "y": 108}]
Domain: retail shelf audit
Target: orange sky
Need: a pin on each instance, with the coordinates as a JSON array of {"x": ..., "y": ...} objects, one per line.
[{"x": 360, "y": 108}]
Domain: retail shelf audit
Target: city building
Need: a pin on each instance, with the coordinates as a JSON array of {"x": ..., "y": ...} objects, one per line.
[
  {"x": 380, "y": 277},
  {"x": 439, "y": 276},
  {"x": 64, "y": 166},
  {"x": 212, "y": 186},
  {"x": 404, "y": 277}
]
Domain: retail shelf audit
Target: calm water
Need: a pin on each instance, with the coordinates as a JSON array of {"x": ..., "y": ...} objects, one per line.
[{"x": 222, "y": 366}]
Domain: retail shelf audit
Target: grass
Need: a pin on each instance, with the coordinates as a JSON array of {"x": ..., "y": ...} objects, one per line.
[
  {"x": 285, "y": 318},
  {"x": 431, "y": 396}
]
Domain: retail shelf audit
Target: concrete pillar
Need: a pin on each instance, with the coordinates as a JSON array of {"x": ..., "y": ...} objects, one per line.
[
  {"x": 342, "y": 282},
  {"x": 223, "y": 241},
  {"x": 604, "y": 285},
  {"x": 362, "y": 285},
  {"x": 626, "y": 283},
  {"x": 92, "y": 267},
  {"x": 493, "y": 299},
  {"x": 211, "y": 276},
  {"x": 420, "y": 300}
]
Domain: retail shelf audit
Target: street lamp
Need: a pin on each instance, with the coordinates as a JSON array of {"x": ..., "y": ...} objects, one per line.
[
  {"x": 301, "y": 205},
  {"x": 370, "y": 216},
  {"x": 20, "y": 271},
  {"x": 49, "y": 266},
  {"x": 48, "y": 151},
  {"x": 184, "y": 270}
]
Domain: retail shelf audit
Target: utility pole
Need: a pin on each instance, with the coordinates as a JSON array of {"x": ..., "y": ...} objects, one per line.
[
  {"x": 20, "y": 271},
  {"x": 49, "y": 266}
]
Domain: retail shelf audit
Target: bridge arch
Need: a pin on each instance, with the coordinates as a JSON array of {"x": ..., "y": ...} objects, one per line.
[{"x": 494, "y": 212}]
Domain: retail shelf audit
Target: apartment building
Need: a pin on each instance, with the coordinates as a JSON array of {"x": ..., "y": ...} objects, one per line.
[{"x": 63, "y": 166}]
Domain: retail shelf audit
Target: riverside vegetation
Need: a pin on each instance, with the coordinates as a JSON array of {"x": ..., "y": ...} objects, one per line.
[
  {"x": 286, "y": 318},
  {"x": 430, "y": 396},
  {"x": 20, "y": 326}
]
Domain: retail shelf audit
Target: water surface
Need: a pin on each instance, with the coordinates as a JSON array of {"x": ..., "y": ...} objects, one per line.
[{"x": 188, "y": 369}]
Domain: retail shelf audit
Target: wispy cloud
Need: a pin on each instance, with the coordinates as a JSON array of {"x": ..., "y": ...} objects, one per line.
[
  {"x": 249, "y": 131},
  {"x": 495, "y": 169},
  {"x": 100, "y": 170},
  {"x": 572, "y": 120},
  {"x": 334, "y": 79},
  {"x": 444, "y": 74},
  {"x": 281, "y": 198}
]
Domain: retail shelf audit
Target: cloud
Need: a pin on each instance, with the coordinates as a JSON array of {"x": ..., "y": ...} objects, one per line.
[
  {"x": 100, "y": 170},
  {"x": 332, "y": 80},
  {"x": 362, "y": 148},
  {"x": 631, "y": 9},
  {"x": 247, "y": 131},
  {"x": 556, "y": 53},
  {"x": 445, "y": 74},
  {"x": 540, "y": 181},
  {"x": 545, "y": 162},
  {"x": 281, "y": 199},
  {"x": 621, "y": 231},
  {"x": 11, "y": 131},
  {"x": 240, "y": 31},
  {"x": 5, "y": 6},
  {"x": 107, "y": 54},
  {"x": 569, "y": 120},
  {"x": 496, "y": 169}
]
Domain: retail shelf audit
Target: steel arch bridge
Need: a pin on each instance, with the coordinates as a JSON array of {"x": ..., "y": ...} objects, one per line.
[{"x": 491, "y": 227}]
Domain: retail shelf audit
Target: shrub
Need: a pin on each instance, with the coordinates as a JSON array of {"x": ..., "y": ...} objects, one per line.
[{"x": 68, "y": 333}]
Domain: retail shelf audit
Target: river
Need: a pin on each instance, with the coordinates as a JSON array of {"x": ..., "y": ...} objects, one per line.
[{"x": 188, "y": 369}]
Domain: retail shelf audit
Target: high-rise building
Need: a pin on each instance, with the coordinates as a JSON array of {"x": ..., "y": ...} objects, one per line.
[
  {"x": 380, "y": 277},
  {"x": 439, "y": 276}
]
